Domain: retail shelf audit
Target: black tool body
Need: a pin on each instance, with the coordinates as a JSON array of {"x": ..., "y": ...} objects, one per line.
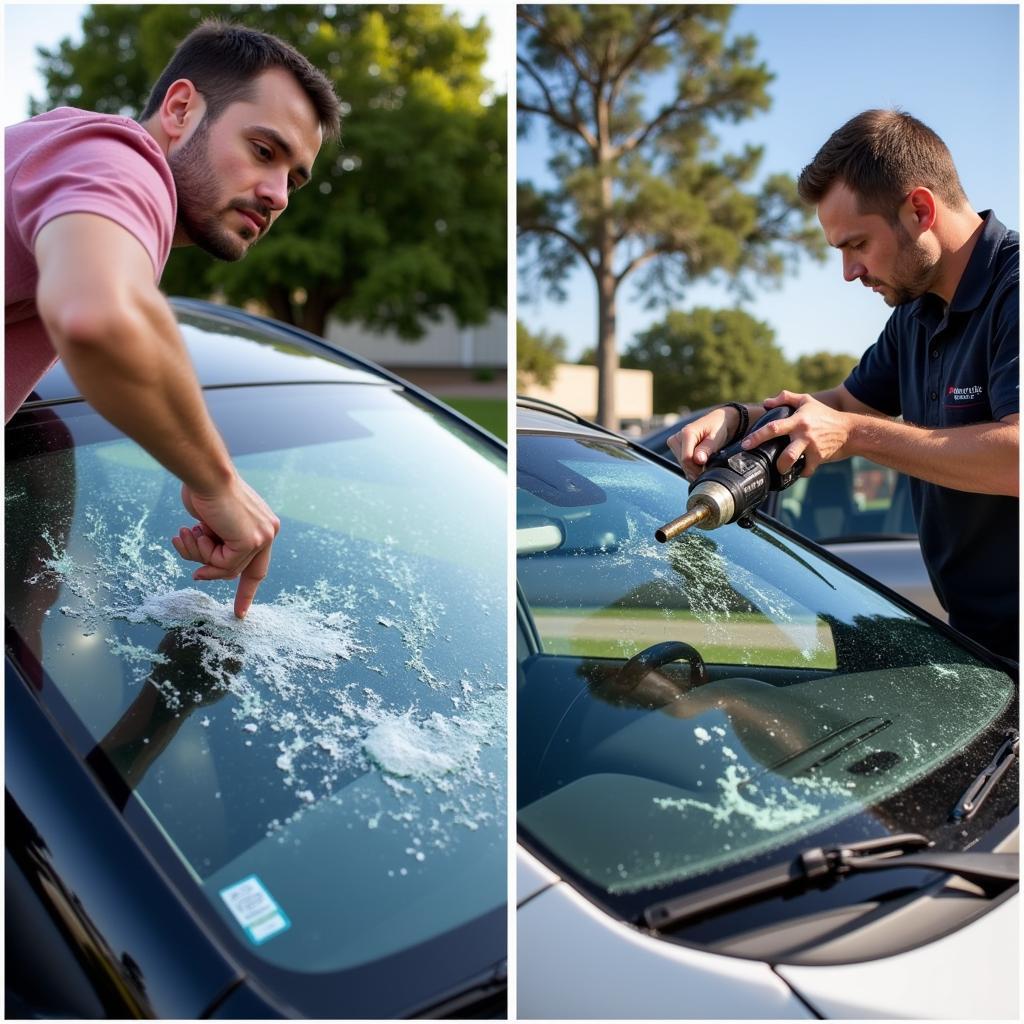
[{"x": 749, "y": 475}]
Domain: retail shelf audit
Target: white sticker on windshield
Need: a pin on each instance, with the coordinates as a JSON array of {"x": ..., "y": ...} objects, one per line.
[{"x": 255, "y": 910}]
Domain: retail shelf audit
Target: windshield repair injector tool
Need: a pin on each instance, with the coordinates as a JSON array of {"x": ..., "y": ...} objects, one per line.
[{"x": 735, "y": 482}]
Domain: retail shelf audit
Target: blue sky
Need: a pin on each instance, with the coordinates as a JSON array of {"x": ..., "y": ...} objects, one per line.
[{"x": 956, "y": 67}]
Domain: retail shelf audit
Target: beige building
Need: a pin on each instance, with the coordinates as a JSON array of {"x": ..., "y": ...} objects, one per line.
[
  {"x": 575, "y": 388},
  {"x": 444, "y": 344},
  {"x": 448, "y": 360}
]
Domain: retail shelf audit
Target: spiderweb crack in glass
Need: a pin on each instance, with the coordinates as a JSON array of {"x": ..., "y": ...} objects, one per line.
[
  {"x": 280, "y": 667},
  {"x": 273, "y": 641}
]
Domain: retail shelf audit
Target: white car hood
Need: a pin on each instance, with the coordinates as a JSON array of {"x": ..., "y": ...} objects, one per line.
[
  {"x": 576, "y": 962},
  {"x": 972, "y": 974}
]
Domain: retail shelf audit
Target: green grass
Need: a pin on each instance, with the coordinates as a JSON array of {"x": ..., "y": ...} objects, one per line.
[
  {"x": 490, "y": 413},
  {"x": 714, "y": 654}
]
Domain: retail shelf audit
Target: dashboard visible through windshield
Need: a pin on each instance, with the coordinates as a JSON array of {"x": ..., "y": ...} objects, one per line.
[{"x": 699, "y": 706}]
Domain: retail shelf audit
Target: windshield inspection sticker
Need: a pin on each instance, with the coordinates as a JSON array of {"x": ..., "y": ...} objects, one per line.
[{"x": 255, "y": 910}]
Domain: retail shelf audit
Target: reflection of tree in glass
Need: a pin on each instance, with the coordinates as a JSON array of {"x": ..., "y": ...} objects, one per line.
[
  {"x": 704, "y": 573},
  {"x": 786, "y": 548},
  {"x": 873, "y": 642},
  {"x": 40, "y": 475}
]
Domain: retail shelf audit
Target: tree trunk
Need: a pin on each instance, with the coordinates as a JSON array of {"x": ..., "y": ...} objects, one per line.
[
  {"x": 607, "y": 352},
  {"x": 277, "y": 298},
  {"x": 314, "y": 313}
]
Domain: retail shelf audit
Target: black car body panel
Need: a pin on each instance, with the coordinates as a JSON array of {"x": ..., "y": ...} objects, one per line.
[{"x": 94, "y": 882}]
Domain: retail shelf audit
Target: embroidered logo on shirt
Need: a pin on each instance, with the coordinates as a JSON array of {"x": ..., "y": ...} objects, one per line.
[{"x": 972, "y": 395}]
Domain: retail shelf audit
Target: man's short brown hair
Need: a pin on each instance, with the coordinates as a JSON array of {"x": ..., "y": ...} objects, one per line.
[
  {"x": 881, "y": 156},
  {"x": 222, "y": 60}
]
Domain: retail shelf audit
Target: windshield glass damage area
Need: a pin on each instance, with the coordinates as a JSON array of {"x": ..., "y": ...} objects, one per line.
[
  {"x": 695, "y": 704},
  {"x": 331, "y": 770}
]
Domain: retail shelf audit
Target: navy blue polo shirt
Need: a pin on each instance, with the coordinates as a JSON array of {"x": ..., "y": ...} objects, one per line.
[{"x": 951, "y": 368}]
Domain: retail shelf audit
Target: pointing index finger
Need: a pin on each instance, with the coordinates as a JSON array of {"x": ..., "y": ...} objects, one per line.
[{"x": 253, "y": 575}]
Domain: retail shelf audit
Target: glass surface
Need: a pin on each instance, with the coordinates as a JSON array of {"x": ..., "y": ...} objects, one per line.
[
  {"x": 822, "y": 698},
  {"x": 854, "y": 498},
  {"x": 345, "y": 744}
]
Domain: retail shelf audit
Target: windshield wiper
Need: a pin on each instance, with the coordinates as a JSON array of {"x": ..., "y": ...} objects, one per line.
[
  {"x": 988, "y": 778},
  {"x": 993, "y": 872}
]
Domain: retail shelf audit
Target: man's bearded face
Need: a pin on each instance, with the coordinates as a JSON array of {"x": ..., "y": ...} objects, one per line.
[
  {"x": 913, "y": 273},
  {"x": 200, "y": 207}
]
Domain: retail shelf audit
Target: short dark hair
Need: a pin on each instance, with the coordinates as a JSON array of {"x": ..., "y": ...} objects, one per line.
[
  {"x": 222, "y": 60},
  {"x": 881, "y": 155}
]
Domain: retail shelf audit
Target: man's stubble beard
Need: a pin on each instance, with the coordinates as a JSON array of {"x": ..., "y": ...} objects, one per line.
[
  {"x": 915, "y": 270},
  {"x": 198, "y": 196}
]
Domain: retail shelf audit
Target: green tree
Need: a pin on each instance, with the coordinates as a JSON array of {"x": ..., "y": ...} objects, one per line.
[
  {"x": 537, "y": 355},
  {"x": 821, "y": 371},
  {"x": 709, "y": 356},
  {"x": 405, "y": 218},
  {"x": 637, "y": 182}
]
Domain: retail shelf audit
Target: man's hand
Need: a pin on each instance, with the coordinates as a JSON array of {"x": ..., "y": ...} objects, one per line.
[
  {"x": 235, "y": 532},
  {"x": 816, "y": 431},
  {"x": 699, "y": 440}
]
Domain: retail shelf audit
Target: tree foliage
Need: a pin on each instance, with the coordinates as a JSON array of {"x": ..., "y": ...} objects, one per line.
[
  {"x": 403, "y": 219},
  {"x": 639, "y": 186},
  {"x": 537, "y": 356},
  {"x": 822, "y": 370},
  {"x": 709, "y": 356}
]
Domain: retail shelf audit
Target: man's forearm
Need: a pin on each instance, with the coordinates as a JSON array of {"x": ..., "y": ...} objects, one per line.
[
  {"x": 137, "y": 375},
  {"x": 981, "y": 458}
]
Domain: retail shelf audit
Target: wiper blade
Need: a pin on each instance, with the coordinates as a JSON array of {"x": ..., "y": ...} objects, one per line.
[
  {"x": 988, "y": 778},
  {"x": 992, "y": 871}
]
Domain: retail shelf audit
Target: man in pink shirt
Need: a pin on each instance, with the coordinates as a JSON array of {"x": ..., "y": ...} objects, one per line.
[{"x": 94, "y": 204}]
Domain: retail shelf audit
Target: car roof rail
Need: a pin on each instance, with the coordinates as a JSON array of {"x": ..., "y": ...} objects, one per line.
[{"x": 542, "y": 405}]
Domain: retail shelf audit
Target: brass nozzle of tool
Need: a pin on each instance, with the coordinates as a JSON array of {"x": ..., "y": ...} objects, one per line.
[{"x": 684, "y": 522}]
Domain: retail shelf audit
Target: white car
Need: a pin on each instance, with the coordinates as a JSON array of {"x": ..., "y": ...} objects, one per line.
[{"x": 750, "y": 785}]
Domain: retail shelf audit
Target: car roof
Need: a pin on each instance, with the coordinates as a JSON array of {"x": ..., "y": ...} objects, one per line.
[
  {"x": 238, "y": 349},
  {"x": 535, "y": 416}
]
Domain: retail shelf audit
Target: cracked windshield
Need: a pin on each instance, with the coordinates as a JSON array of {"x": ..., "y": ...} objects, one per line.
[
  {"x": 345, "y": 743},
  {"x": 684, "y": 706}
]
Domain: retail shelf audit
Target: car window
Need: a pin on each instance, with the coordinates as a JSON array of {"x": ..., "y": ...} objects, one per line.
[
  {"x": 821, "y": 702},
  {"x": 331, "y": 771},
  {"x": 608, "y": 589},
  {"x": 855, "y": 499}
]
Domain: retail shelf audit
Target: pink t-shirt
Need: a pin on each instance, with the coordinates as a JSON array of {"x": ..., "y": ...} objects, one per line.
[{"x": 73, "y": 161}]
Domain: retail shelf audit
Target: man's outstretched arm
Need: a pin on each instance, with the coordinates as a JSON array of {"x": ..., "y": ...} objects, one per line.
[
  {"x": 121, "y": 345},
  {"x": 981, "y": 457}
]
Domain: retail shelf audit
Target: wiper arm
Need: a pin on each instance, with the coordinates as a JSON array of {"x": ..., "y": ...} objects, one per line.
[
  {"x": 992, "y": 871},
  {"x": 988, "y": 778}
]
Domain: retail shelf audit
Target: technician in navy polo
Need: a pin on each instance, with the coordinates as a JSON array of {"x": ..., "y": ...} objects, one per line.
[{"x": 889, "y": 198}]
